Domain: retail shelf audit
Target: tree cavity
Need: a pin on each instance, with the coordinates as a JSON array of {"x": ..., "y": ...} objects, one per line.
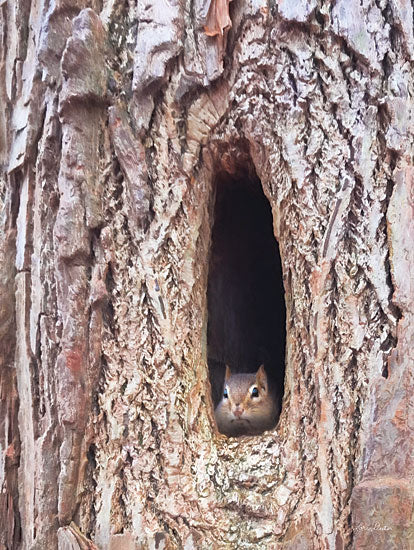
[{"x": 245, "y": 294}]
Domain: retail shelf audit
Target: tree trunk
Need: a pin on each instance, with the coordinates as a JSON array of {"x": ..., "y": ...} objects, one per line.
[{"x": 121, "y": 124}]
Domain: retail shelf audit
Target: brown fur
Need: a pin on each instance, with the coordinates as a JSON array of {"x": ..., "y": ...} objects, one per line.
[{"x": 242, "y": 414}]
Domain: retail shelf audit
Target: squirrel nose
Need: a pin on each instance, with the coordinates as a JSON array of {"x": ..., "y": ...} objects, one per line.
[{"x": 238, "y": 412}]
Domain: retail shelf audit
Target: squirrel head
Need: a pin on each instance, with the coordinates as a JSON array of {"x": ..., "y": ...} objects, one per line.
[
  {"x": 244, "y": 393},
  {"x": 248, "y": 406}
]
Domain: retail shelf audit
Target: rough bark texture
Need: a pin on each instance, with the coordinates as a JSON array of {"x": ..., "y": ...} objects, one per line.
[{"x": 115, "y": 119}]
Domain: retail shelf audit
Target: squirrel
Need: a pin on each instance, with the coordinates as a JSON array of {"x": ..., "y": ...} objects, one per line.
[{"x": 248, "y": 406}]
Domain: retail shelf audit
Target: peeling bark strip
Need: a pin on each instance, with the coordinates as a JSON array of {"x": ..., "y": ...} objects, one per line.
[
  {"x": 218, "y": 18},
  {"x": 117, "y": 122},
  {"x": 131, "y": 156},
  {"x": 332, "y": 222}
]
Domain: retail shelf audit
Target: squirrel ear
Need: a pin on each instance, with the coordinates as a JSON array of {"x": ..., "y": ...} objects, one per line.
[
  {"x": 228, "y": 373},
  {"x": 261, "y": 377}
]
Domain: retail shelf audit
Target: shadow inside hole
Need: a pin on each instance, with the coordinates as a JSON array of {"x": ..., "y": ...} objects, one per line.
[{"x": 245, "y": 295}]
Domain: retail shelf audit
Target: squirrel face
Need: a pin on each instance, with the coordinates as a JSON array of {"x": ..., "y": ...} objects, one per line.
[{"x": 247, "y": 406}]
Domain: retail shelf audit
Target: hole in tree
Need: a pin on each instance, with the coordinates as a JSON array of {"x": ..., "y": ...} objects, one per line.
[{"x": 246, "y": 306}]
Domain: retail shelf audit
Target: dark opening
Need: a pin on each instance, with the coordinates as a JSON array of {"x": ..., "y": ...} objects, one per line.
[{"x": 246, "y": 305}]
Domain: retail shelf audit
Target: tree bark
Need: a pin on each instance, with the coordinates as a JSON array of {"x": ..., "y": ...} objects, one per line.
[{"x": 117, "y": 119}]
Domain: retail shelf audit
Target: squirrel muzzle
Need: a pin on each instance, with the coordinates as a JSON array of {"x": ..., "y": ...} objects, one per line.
[{"x": 238, "y": 411}]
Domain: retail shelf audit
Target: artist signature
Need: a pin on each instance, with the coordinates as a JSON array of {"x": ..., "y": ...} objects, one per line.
[{"x": 374, "y": 527}]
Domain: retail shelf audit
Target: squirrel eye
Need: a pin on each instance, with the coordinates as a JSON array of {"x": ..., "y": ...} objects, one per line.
[
  {"x": 225, "y": 394},
  {"x": 255, "y": 392}
]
